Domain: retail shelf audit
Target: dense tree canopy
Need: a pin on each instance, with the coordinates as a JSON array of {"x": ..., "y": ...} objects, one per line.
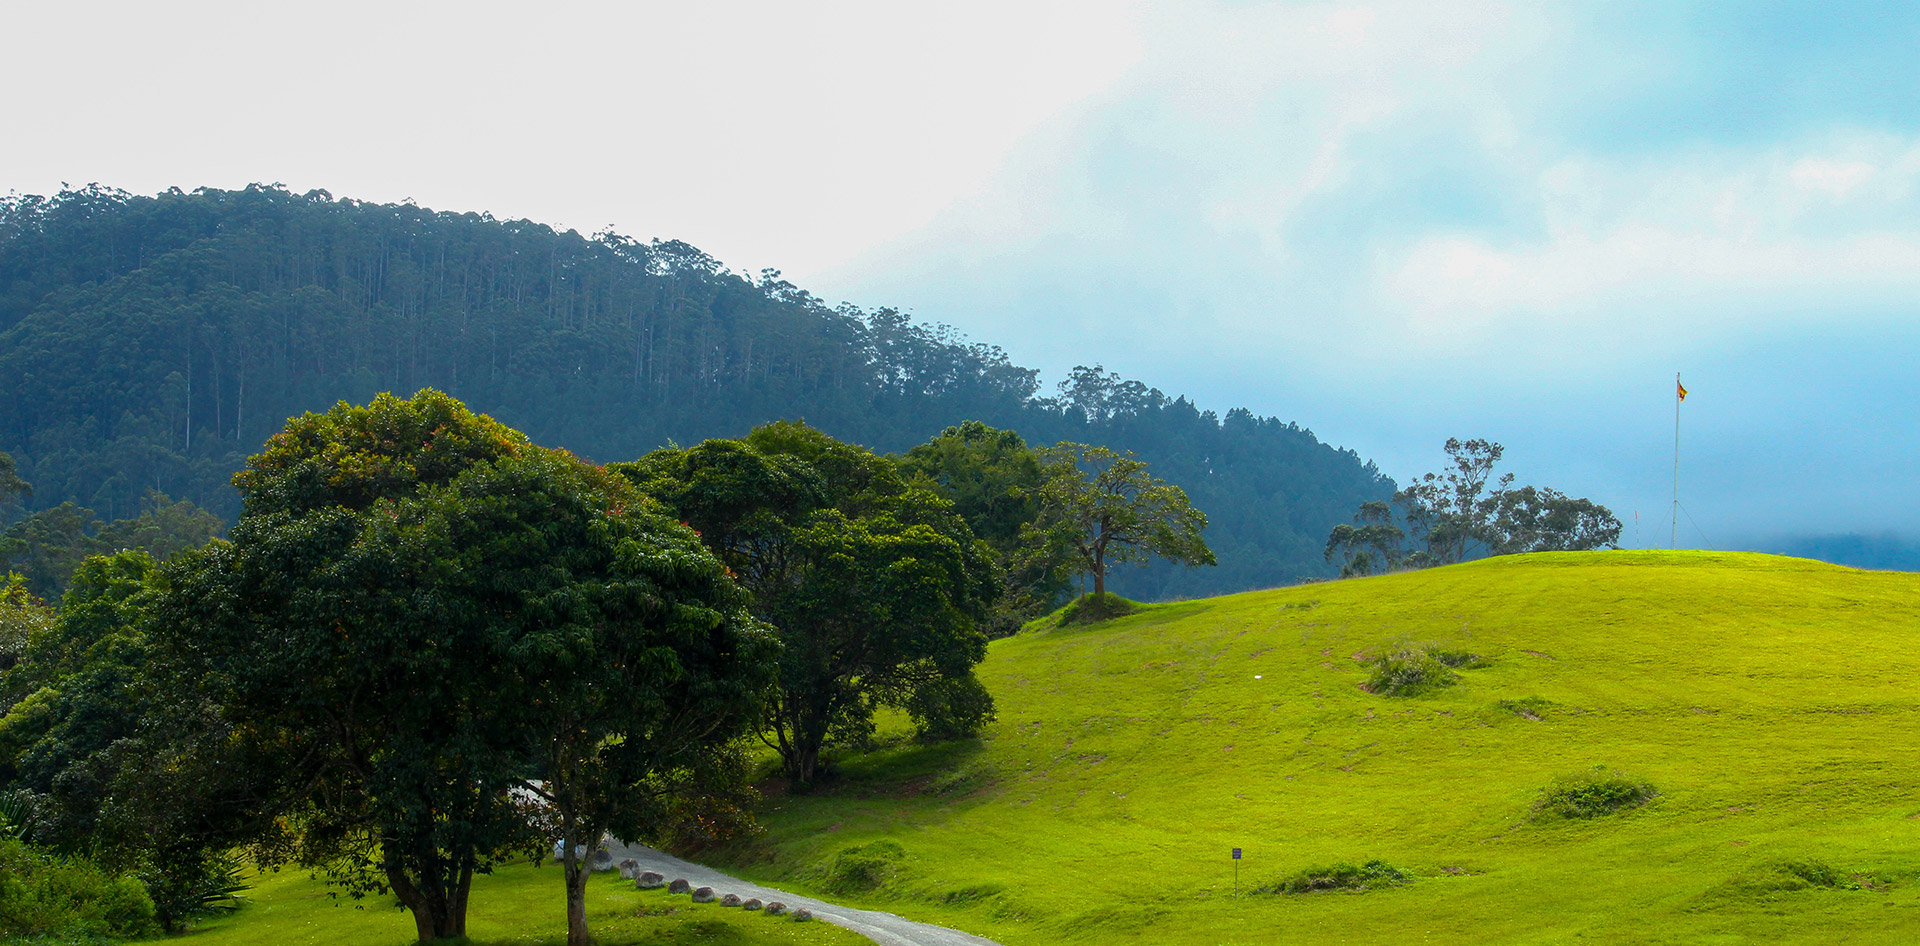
[
  {"x": 993, "y": 480},
  {"x": 877, "y": 589},
  {"x": 152, "y": 343},
  {"x": 407, "y": 618}
]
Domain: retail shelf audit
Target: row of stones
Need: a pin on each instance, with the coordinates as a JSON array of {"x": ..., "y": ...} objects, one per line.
[{"x": 653, "y": 880}]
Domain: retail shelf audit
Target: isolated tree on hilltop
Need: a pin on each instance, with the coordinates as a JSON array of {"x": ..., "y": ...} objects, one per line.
[
  {"x": 1465, "y": 512},
  {"x": 1106, "y": 508}
]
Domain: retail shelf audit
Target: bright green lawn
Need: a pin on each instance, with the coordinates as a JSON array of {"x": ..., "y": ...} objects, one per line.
[
  {"x": 1774, "y": 702},
  {"x": 519, "y": 905}
]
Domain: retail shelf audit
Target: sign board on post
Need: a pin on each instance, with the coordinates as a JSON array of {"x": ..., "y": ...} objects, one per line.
[
  {"x": 1236, "y": 854},
  {"x": 1236, "y": 872}
]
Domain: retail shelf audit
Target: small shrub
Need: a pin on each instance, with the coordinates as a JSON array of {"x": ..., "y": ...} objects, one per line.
[
  {"x": 1591, "y": 794},
  {"x": 1458, "y": 659},
  {"x": 69, "y": 898},
  {"x": 1410, "y": 669},
  {"x": 865, "y": 867},
  {"x": 1372, "y": 875}
]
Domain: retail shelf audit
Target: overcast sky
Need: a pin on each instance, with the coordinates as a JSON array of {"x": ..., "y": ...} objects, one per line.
[{"x": 1390, "y": 222}]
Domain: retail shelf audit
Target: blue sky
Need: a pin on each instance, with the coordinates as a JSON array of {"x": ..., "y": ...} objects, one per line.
[
  {"x": 1401, "y": 222},
  {"x": 1393, "y": 222}
]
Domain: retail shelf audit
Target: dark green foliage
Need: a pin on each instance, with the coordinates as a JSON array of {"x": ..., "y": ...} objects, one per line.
[
  {"x": 97, "y": 734},
  {"x": 864, "y": 868},
  {"x": 68, "y": 898},
  {"x": 23, "y": 616},
  {"x": 877, "y": 589},
  {"x": 950, "y": 708},
  {"x": 419, "y": 610},
  {"x": 1372, "y": 875},
  {"x": 47, "y": 546},
  {"x": 1413, "y": 669},
  {"x": 993, "y": 480},
  {"x": 1591, "y": 794},
  {"x": 155, "y": 342},
  {"x": 218, "y": 888},
  {"x": 13, "y": 489}
]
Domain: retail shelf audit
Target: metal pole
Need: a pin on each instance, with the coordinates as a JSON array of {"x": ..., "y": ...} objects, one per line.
[{"x": 1674, "y": 539}]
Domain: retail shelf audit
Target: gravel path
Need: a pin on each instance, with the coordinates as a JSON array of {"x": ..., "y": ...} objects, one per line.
[{"x": 883, "y": 928}]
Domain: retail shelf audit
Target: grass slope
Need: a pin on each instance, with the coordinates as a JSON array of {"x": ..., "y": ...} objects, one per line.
[
  {"x": 1771, "y": 702},
  {"x": 518, "y": 905}
]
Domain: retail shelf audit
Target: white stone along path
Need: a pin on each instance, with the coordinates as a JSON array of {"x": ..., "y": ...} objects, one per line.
[{"x": 883, "y": 928}]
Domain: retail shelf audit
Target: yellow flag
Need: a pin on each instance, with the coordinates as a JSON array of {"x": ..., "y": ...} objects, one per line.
[{"x": 1682, "y": 388}]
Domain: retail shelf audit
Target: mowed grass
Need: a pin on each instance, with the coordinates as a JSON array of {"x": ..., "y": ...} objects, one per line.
[
  {"x": 518, "y": 905},
  {"x": 1774, "y": 704}
]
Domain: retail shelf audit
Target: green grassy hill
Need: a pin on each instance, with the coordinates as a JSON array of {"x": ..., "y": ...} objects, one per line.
[{"x": 1771, "y": 701}]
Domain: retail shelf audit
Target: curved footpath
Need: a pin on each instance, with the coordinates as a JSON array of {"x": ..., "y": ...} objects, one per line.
[{"x": 883, "y": 928}]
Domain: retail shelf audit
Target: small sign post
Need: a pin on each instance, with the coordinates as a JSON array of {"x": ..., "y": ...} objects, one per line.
[{"x": 1236, "y": 872}]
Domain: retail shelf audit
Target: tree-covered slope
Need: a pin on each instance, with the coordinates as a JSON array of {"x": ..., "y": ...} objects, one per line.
[
  {"x": 155, "y": 342},
  {"x": 1769, "y": 701}
]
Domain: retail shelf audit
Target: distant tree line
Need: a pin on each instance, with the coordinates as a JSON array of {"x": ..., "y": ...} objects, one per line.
[
  {"x": 148, "y": 345},
  {"x": 1463, "y": 513}
]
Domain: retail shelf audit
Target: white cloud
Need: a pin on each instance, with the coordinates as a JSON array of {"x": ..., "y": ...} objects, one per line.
[{"x": 1669, "y": 253}]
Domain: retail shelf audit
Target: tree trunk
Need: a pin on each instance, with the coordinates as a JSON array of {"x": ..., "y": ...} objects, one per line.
[
  {"x": 436, "y": 915},
  {"x": 576, "y": 874}
]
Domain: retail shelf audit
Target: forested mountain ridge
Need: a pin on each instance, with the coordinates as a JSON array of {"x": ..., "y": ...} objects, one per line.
[{"x": 152, "y": 343}]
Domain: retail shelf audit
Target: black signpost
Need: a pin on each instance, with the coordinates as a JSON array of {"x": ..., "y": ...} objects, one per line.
[{"x": 1236, "y": 872}]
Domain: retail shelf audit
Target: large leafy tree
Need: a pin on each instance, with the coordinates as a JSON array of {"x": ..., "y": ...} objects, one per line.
[
  {"x": 99, "y": 739},
  {"x": 876, "y": 589},
  {"x": 993, "y": 479},
  {"x": 1109, "y": 510},
  {"x": 412, "y": 618}
]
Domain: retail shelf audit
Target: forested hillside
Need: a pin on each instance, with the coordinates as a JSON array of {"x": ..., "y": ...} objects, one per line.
[{"x": 152, "y": 343}]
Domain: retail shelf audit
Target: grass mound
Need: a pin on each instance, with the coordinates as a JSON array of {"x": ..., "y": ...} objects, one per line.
[
  {"x": 1093, "y": 608},
  {"x": 1776, "y": 882},
  {"x": 1413, "y": 669},
  {"x": 864, "y": 868},
  {"x": 1372, "y": 875},
  {"x": 1592, "y": 794}
]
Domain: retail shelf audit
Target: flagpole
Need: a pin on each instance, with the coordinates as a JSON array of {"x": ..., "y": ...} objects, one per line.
[{"x": 1674, "y": 539}]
